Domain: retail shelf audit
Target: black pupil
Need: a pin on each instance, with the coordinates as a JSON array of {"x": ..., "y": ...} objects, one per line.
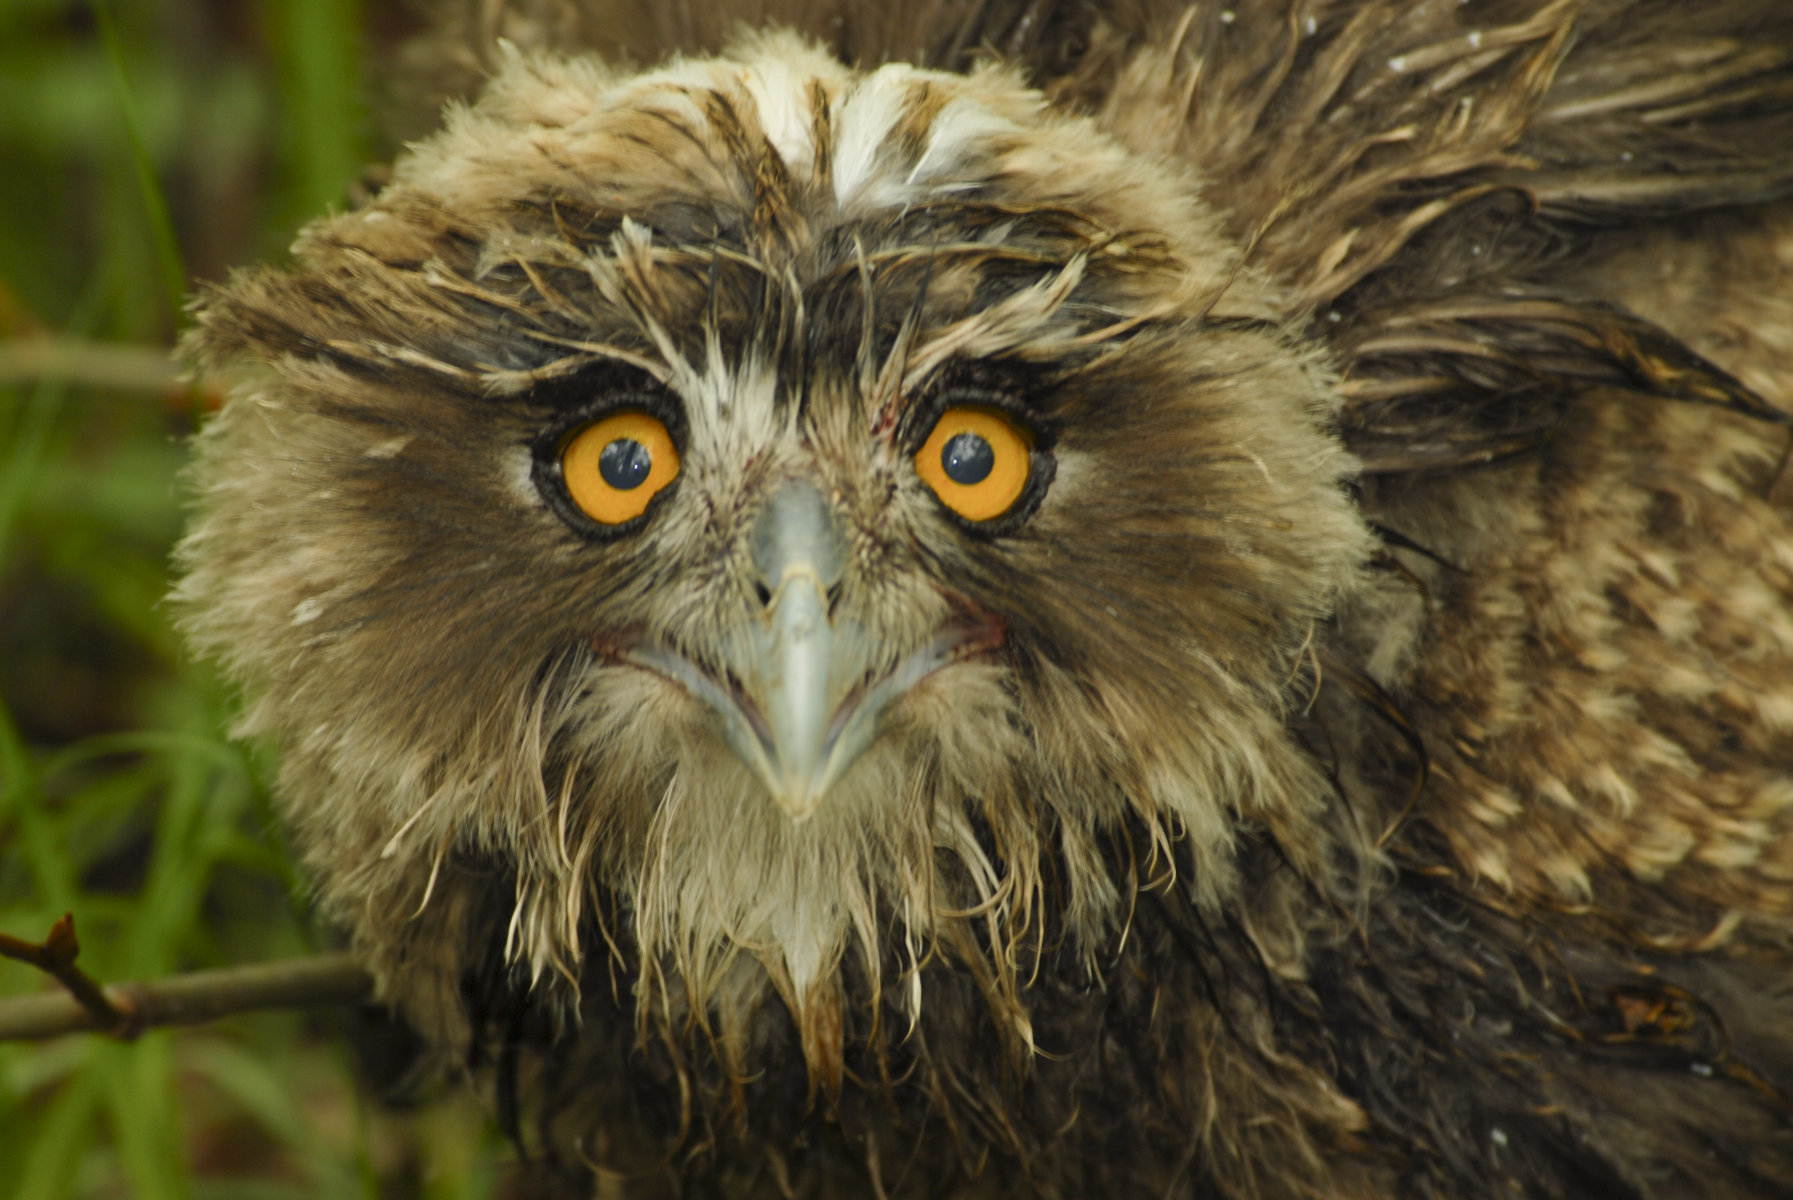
[
  {"x": 624, "y": 464},
  {"x": 966, "y": 459}
]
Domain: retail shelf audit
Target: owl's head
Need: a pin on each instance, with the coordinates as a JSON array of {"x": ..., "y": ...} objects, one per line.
[{"x": 810, "y": 509}]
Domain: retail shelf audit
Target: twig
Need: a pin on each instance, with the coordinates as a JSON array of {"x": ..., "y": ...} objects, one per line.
[
  {"x": 115, "y": 365},
  {"x": 127, "y": 1009},
  {"x": 56, "y": 955}
]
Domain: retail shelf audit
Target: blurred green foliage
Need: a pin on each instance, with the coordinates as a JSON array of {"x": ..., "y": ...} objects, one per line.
[{"x": 143, "y": 144}]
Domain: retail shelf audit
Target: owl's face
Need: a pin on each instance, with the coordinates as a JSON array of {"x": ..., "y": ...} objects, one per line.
[{"x": 786, "y": 500}]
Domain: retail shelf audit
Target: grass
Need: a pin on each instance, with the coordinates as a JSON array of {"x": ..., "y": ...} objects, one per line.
[{"x": 147, "y": 144}]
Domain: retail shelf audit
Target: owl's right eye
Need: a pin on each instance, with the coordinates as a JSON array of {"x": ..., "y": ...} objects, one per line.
[{"x": 616, "y": 465}]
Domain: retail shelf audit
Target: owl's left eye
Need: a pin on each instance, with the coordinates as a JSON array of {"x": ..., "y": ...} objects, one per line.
[
  {"x": 614, "y": 466},
  {"x": 977, "y": 460}
]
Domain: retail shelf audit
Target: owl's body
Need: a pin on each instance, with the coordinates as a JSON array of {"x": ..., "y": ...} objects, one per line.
[{"x": 1355, "y": 756}]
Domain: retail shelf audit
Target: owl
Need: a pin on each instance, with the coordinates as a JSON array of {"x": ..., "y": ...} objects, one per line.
[{"x": 977, "y": 599}]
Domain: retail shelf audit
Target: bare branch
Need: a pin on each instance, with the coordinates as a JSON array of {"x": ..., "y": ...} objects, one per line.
[
  {"x": 121, "y": 366},
  {"x": 191, "y": 999}
]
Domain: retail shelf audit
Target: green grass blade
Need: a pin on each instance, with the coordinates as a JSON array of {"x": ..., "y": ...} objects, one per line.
[
  {"x": 318, "y": 44},
  {"x": 155, "y": 203},
  {"x": 145, "y": 1112},
  {"x": 57, "y": 1143}
]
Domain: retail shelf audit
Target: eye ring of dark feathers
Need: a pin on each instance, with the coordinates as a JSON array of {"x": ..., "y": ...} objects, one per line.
[
  {"x": 547, "y": 448},
  {"x": 1042, "y": 465}
]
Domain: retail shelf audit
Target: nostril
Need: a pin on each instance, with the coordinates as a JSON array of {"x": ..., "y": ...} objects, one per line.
[
  {"x": 833, "y": 595},
  {"x": 763, "y": 592}
]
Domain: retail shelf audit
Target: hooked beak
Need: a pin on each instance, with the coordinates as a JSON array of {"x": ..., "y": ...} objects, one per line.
[
  {"x": 797, "y": 672},
  {"x": 800, "y": 703}
]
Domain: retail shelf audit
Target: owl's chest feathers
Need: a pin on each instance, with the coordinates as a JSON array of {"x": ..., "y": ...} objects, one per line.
[
  {"x": 1423, "y": 1037},
  {"x": 1163, "y": 1033}
]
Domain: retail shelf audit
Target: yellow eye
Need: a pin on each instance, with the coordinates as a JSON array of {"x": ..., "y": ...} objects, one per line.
[
  {"x": 618, "y": 463},
  {"x": 976, "y": 460}
]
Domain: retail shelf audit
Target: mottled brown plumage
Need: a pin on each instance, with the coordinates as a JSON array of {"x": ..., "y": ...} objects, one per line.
[{"x": 1359, "y": 764}]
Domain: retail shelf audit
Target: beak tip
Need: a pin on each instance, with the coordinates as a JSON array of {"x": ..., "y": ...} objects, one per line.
[{"x": 798, "y": 803}]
